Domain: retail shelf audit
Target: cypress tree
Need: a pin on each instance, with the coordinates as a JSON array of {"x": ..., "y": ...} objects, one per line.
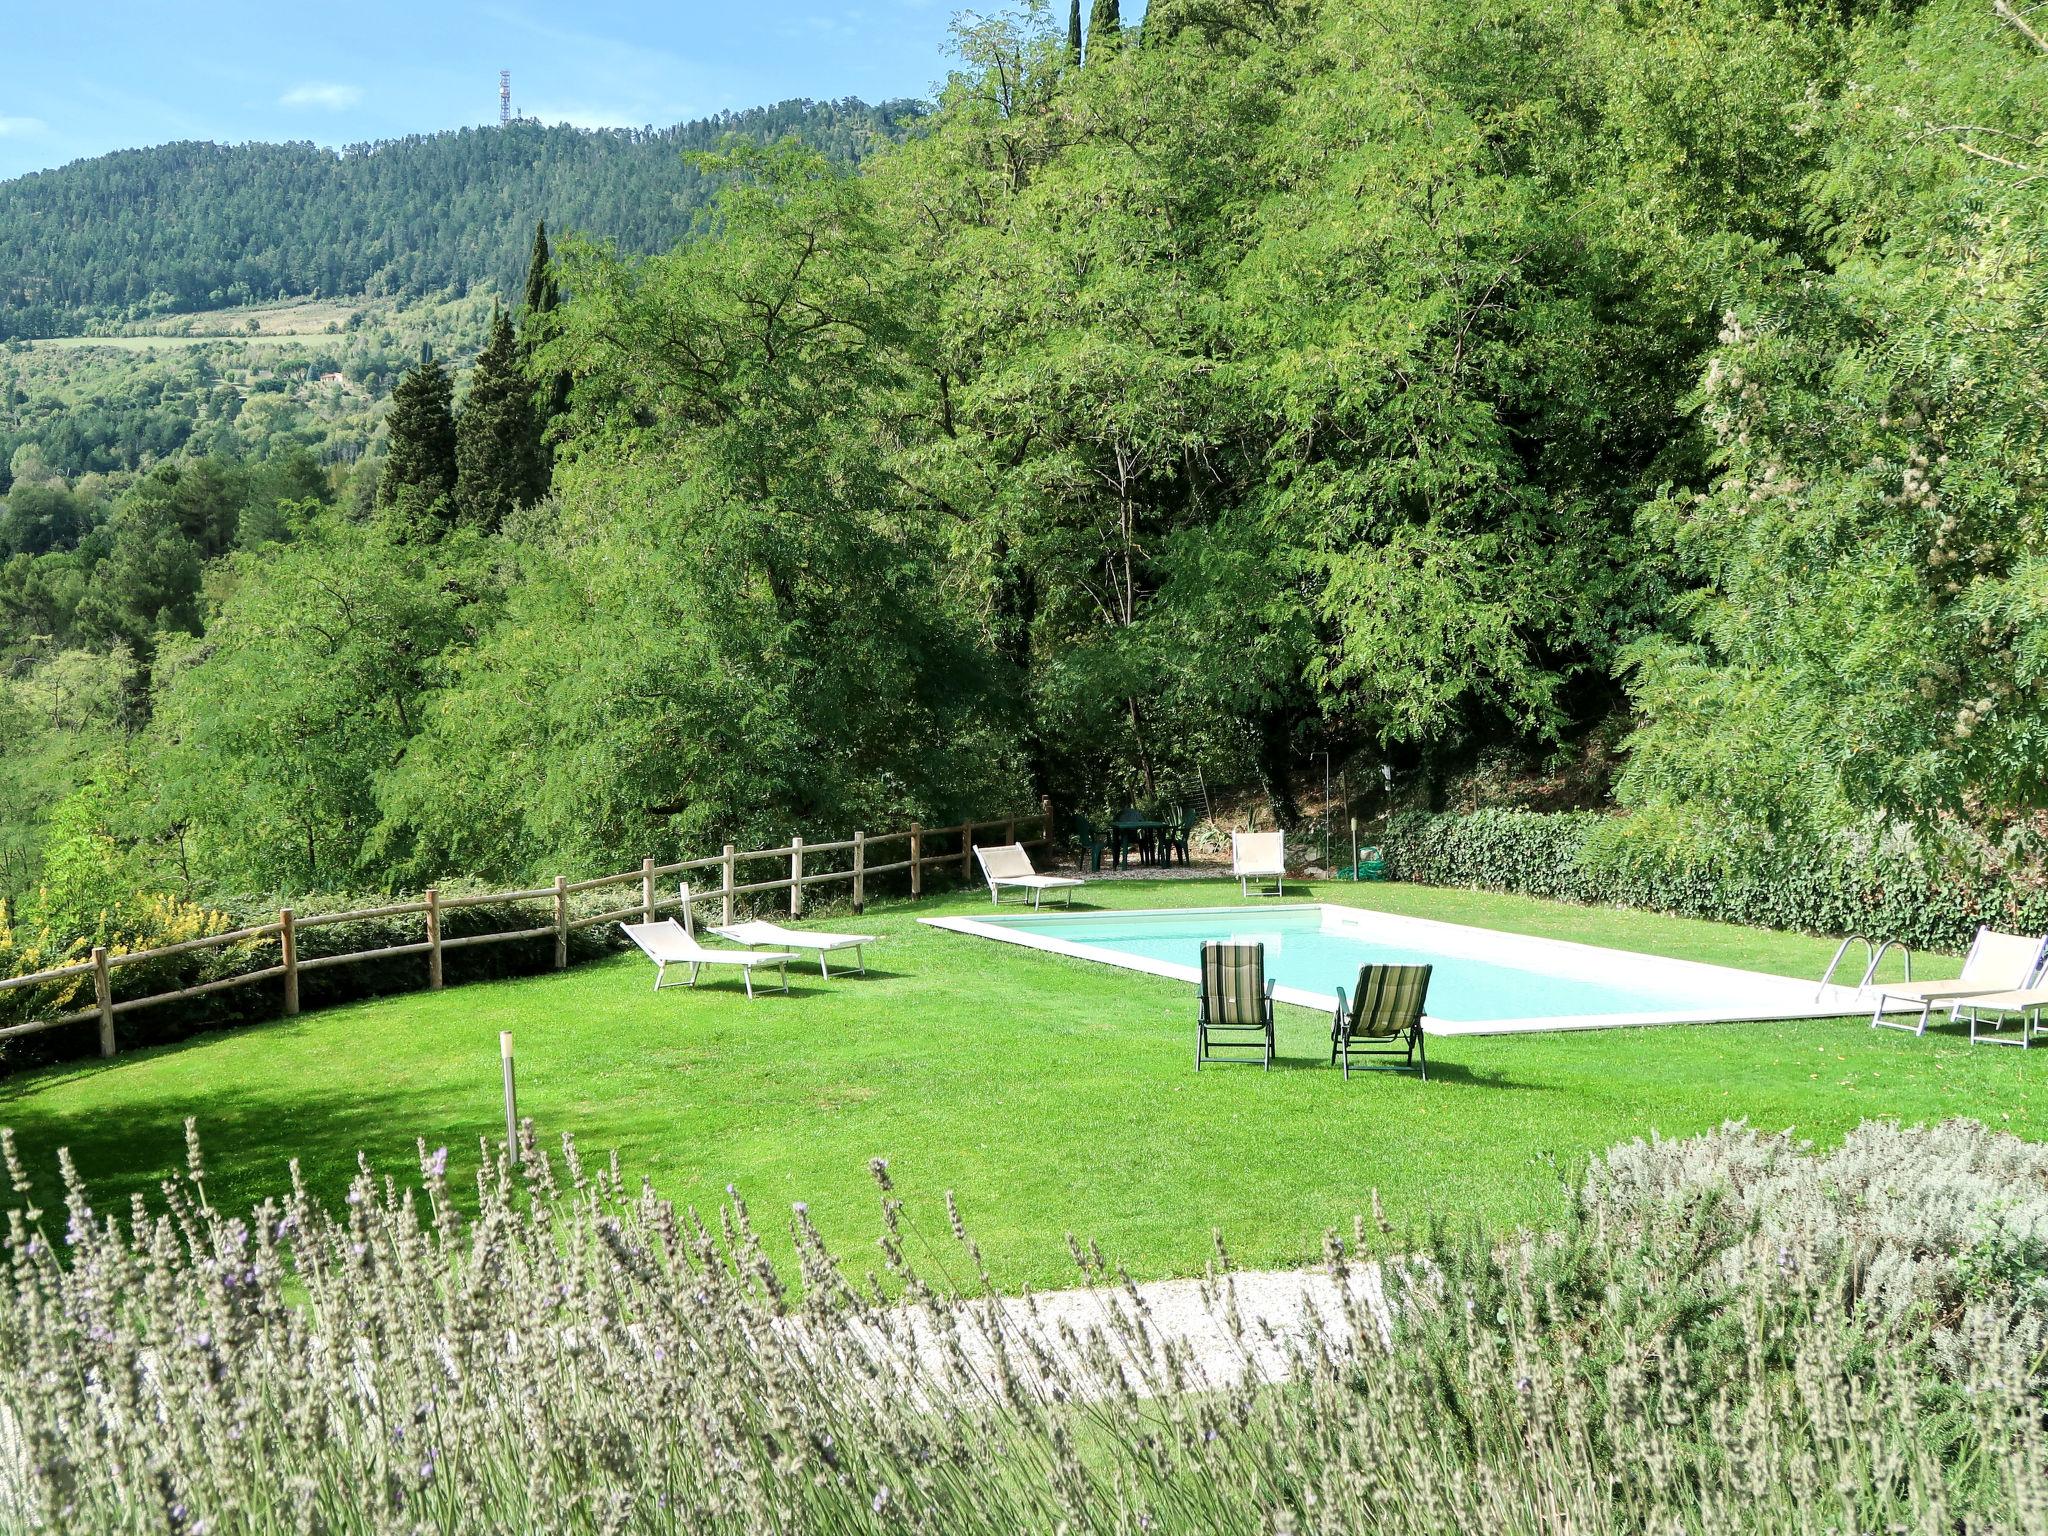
[
  {"x": 1105, "y": 21},
  {"x": 551, "y": 394},
  {"x": 420, "y": 463},
  {"x": 542, "y": 293},
  {"x": 494, "y": 436},
  {"x": 1073, "y": 31}
]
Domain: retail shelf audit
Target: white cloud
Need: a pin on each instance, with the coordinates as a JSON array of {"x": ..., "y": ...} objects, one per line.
[
  {"x": 22, "y": 127},
  {"x": 332, "y": 98}
]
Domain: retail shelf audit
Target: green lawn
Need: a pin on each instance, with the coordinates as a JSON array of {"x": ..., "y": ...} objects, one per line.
[{"x": 1053, "y": 1095}]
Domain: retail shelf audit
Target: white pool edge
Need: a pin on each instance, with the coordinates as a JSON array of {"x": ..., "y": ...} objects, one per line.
[{"x": 1763, "y": 997}]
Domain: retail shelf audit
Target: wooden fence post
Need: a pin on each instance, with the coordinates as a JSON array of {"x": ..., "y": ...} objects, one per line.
[
  {"x": 796, "y": 877},
  {"x": 727, "y": 865},
  {"x": 103, "y": 990},
  {"x": 1045, "y": 820},
  {"x": 966, "y": 850},
  {"x": 561, "y": 922},
  {"x": 288, "y": 951},
  {"x": 511, "y": 1097},
  {"x": 916, "y": 860},
  {"x": 647, "y": 890},
  {"x": 1010, "y": 830},
  {"x": 860, "y": 872},
  {"x": 434, "y": 940}
]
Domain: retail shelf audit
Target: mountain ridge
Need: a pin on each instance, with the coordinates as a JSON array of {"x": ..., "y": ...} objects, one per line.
[{"x": 136, "y": 234}]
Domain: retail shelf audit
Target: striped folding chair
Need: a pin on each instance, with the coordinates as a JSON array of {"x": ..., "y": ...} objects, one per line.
[
  {"x": 1236, "y": 1006},
  {"x": 1382, "y": 1018}
]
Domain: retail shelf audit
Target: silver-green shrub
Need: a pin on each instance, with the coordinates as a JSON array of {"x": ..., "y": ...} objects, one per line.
[
  {"x": 1725, "y": 1334},
  {"x": 1909, "y": 1218}
]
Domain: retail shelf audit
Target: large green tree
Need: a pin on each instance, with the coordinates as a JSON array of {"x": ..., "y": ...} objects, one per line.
[
  {"x": 536, "y": 317},
  {"x": 497, "y": 450},
  {"x": 1867, "y": 567},
  {"x": 148, "y": 584},
  {"x": 419, "y": 472},
  {"x": 747, "y": 628},
  {"x": 1272, "y": 402},
  {"x": 1105, "y": 22},
  {"x": 271, "y": 739}
]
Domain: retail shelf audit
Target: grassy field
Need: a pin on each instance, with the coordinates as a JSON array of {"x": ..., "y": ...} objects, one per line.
[
  {"x": 455, "y": 325},
  {"x": 1052, "y": 1095},
  {"x": 308, "y": 317},
  {"x": 147, "y": 344},
  {"x": 303, "y": 320}
]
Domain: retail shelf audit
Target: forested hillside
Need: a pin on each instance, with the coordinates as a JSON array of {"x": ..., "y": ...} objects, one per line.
[
  {"x": 99, "y": 410},
  {"x": 188, "y": 226},
  {"x": 1405, "y": 381}
]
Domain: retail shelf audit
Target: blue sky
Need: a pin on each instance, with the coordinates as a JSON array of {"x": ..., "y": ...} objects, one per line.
[{"x": 80, "y": 77}]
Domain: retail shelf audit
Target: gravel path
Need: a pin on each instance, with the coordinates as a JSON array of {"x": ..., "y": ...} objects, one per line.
[{"x": 1147, "y": 1339}]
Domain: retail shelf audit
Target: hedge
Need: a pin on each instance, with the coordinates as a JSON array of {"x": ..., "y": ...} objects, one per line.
[{"x": 1575, "y": 856}]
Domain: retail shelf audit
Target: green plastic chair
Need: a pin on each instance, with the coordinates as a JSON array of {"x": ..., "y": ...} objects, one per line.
[{"x": 1089, "y": 843}]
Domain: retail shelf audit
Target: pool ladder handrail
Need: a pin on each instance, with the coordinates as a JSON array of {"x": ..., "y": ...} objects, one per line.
[{"x": 1873, "y": 956}]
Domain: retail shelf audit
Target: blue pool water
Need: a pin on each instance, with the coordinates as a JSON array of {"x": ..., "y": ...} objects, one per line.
[{"x": 1300, "y": 954}]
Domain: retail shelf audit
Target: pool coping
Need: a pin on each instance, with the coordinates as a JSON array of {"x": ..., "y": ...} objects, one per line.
[{"x": 1763, "y": 996}]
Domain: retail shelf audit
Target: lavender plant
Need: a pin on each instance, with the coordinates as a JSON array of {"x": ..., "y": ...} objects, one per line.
[{"x": 1727, "y": 1333}]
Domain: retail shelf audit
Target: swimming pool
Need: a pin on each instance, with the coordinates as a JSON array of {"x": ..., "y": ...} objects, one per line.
[{"x": 1485, "y": 982}]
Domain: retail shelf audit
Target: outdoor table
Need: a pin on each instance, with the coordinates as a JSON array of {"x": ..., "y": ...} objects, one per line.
[{"x": 1142, "y": 830}]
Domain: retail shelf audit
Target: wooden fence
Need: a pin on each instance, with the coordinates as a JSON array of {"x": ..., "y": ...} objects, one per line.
[{"x": 919, "y": 856}]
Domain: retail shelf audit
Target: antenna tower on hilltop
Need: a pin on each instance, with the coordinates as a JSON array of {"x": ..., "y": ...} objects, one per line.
[{"x": 504, "y": 97}]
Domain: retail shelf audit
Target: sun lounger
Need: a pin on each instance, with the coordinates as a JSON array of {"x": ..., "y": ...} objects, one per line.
[
  {"x": 2026, "y": 1004},
  {"x": 1011, "y": 865},
  {"x": 666, "y": 944},
  {"x": 822, "y": 944},
  {"x": 1997, "y": 962},
  {"x": 1260, "y": 856}
]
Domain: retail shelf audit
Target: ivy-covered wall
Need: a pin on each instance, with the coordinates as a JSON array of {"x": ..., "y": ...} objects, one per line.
[{"x": 1575, "y": 857}]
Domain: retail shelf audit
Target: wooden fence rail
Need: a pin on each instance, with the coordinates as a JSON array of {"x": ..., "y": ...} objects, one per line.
[{"x": 431, "y": 907}]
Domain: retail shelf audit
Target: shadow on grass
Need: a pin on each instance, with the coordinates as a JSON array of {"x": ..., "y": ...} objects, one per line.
[
  {"x": 1986, "y": 1035},
  {"x": 1439, "y": 1072},
  {"x": 801, "y": 984},
  {"x": 1448, "y": 1072},
  {"x": 849, "y": 975},
  {"x": 34, "y": 1082},
  {"x": 249, "y": 1136}
]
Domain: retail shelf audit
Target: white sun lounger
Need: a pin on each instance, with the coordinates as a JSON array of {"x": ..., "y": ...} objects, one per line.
[
  {"x": 1260, "y": 856},
  {"x": 2027, "y": 1004},
  {"x": 822, "y": 944},
  {"x": 1011, "y": 865},
  {"x": 1997, "y": 963},
  {"x": 776, "y": 936},
  {"x": 666, "y": 944}
]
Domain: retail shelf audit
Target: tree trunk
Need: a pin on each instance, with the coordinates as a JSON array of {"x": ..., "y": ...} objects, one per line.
[
  {"x": 1144, "y": 755},
  {"x": 1276, "y": 767}
]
